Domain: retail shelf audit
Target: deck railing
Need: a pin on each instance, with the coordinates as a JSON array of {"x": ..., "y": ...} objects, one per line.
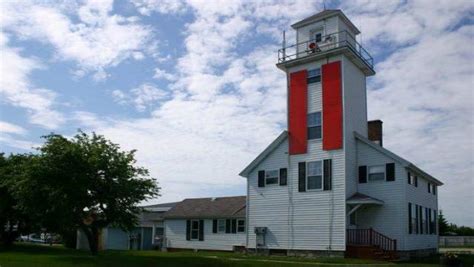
[
  {"x": 328, "y": 42},
  {"x": 372, "y": 238}
]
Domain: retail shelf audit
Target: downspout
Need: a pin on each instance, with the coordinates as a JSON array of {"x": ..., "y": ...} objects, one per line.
[{"x": 289, "y": 174}]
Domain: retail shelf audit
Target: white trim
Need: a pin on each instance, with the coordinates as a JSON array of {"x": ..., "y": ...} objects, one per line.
[{"x": 278, "y": 177}]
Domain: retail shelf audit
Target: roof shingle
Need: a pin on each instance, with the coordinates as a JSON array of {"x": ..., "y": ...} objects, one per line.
[{"x": 220, "y": 207}]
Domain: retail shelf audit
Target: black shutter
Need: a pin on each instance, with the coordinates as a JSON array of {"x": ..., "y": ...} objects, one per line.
[
  {"x": 416, "y": 219},
  {"x": 390, "y": 171},
  {"x": 234, "y": 226},
  {"x": 416, "y": 181},
  {"x": 408, "y": 178},
  {"x": 430, "y": 225},
  {"x": 421, "y": 218},
  {"x": 435, "y": 222},
  {"x": 410, "y": 230},
  {"x": 214, "y": 226},
  {"x": 227, "y": 226},
  {"x": 427, "y": 225},
  {"x": 201, "y": 230},
  {"x": 283, "y": 176},
  {"x": 301, "y": 176},
  {"x": 362, "y": 174},
  {"x": 261, "y": 178},
  {"x": 327, "y": 172},
  {"x": 429, "y": 187},
  {"x": 434, "y": 189},
  {"x": 188, "y": 230}
]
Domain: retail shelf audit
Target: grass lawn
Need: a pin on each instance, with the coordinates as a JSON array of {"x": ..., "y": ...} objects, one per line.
[{"x": 42, "y": 256}]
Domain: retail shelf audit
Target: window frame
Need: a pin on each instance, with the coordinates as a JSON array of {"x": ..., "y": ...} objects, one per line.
[
  {"x": 277, "y": 177},
  {"x": 308, "y": 126},
  {"x": 322, "y": 176},
  {"x": 382, "y": 166},
  {"x": 238, "y": 226},
  {"x": 218, "y": 226},
  {"x": 192, "y": 229}
]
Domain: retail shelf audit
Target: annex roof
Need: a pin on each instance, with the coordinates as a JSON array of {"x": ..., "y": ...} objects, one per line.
[
  {"x": 405, "y": 163},
  {"x": 273, "y": 145},
  {"x": 323, "y": 15},
  {"x": 219, "y": 207}
]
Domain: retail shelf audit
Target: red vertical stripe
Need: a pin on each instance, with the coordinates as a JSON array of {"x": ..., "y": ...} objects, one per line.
[
  {"x": 332, "y": 105},
  {"x": 297, "y": 112}
]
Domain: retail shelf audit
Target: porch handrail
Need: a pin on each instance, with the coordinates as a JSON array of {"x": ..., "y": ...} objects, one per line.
[{"x": 371, "y": 237}]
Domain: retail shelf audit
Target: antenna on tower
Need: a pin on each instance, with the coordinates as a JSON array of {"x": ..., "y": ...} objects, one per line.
[{"x": 324, "y": 4}]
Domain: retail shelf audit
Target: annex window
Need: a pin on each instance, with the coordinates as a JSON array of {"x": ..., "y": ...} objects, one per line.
[
  {"x": 315, "y": 175},
  {"x": 314, "y": 76},
  {"x": 377, "y": 173},
  {"x": 241, "y": 226},
  {"x": 271, "y": 177},
  {"x": 194, "y": 229},
  {"x": 221, "y": 226},
  {"x": 314, "y": 125}
]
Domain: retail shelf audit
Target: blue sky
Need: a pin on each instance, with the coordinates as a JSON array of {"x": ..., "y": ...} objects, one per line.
[{"x": 193, "y": 84}]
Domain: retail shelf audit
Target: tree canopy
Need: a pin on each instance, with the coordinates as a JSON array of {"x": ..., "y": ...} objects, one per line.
[{"x": 85, "y": 182}]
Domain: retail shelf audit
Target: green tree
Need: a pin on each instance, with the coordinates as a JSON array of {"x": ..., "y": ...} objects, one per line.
[
  {"x": 13, "y": 220},
  {"x": 87, "y": 183},
  {"x": 442, "y": 223}
]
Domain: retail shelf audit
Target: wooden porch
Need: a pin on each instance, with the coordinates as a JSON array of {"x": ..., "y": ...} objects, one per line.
[{"x": 370, "y": 244}]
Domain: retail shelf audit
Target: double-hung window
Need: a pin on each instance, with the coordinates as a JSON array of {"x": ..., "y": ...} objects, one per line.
[
  {"x": 314, "y": 125},
  {"x": 271, "y": 177},
  {"x": 376, "y": 173},
  {"x": 194, "y": 229},
  {"x": 241, "y": 226},
  {"x": 314, "y": 76},
  {"x": 221, "y": 226},
  {"x": 314, "y": 179}
]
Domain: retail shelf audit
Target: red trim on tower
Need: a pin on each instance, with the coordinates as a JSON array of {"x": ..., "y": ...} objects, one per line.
[
  {"x": 332, "y": 105},
  {"x": 297, "y": 112}
]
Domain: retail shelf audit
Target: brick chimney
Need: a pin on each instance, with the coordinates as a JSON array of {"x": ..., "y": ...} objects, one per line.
[{"x": 375, "y": 131}]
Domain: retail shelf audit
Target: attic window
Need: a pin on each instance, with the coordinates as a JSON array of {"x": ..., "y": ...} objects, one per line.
[
  {"x": 271, "y": 177},
  {"x": 377, "y": 173}
]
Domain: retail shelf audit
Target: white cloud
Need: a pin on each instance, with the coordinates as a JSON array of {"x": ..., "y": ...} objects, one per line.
[
  {"x": 146, "y": 7},
  {"x": 97, "y": 41},
  {"x": 143, "y": 97},
  {"x": 6, "y": 127},
  {"x": 162, "y": 74},
  {"x": 17, "y": 90}
]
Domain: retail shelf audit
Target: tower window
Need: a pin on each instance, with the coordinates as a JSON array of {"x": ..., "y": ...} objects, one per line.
[
  {"x": 314, "y": 125},
  {"x": 315, "y": 175},
  {"x": 314, "y": 76}
]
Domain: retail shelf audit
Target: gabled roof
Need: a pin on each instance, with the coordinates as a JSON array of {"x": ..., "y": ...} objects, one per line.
[
  {"x": 323, "y": 15},
  {"x": 359, "y": 198},
  {"x": 405, "y": 163},
  {"x": 273, "y": 145},
  {"x": 200, "y": 208}
]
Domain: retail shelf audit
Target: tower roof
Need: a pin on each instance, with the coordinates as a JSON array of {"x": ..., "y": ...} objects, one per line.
[{"x": 323, "y": 15}]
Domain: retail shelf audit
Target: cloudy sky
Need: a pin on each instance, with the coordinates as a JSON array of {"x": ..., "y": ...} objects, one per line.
[{"x": 193, "y": 84}]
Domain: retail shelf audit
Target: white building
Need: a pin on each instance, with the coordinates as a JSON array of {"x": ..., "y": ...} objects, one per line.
[{"x": 327, "y": 185}]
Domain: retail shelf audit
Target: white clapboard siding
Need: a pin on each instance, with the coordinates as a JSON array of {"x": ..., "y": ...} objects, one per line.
[
  {"x": 355, "y": 118},
  {"x": 175, "y": 236},
  {"x": 386, "y": 219},
  {"x": 420, "y": 196}
]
